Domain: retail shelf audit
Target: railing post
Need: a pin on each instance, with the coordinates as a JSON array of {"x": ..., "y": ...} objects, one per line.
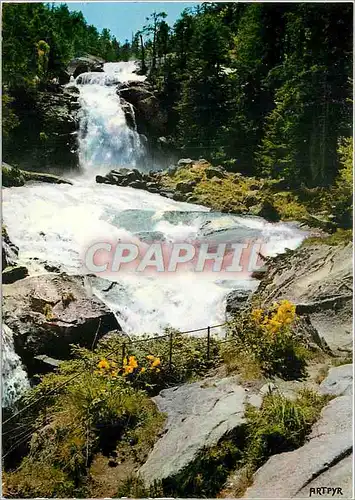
[
  {"x": 208, "y": 341},
  {"x": 170, "y": 349},
  {"x": 123, "y": 352}
]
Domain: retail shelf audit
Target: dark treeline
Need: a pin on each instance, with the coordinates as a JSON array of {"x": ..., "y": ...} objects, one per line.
[
  {"x": 263, "y": 88},
  {"x": 40, "y": 39}
]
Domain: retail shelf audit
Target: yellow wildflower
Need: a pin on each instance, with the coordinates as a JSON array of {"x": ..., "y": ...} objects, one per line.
[
  {"x": 143, "y": 369},
  {"x": 133, "y": 362},
  {"x": 103, "y": 364},
  {"x": 257, "y": 315},
  {"x": 150, "y": 357},
  {"x": 156, "y": 362}
]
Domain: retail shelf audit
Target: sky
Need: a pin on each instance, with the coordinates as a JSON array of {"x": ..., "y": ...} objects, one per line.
[{"x": 125, "y": 18}]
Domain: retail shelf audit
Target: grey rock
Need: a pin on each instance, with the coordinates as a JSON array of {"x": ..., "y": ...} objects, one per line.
[
  {"x": 218, "y": 172},
  {"x": 185, "y": 162},
  {"x": 9, "y": 250},
  {"x": 236, "y": 301},
  {"x": 44, "y": 322},
  {"x": 186, "y": 187},
  {"x": 198, "y": 415},
  {"x": 318, "y": 276},
  {"x": 339, "y": 381},
  {"x": 290, "y": 474},
  {"x": 84, "y": 64}
]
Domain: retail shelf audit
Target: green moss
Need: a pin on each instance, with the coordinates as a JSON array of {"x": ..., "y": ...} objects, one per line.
[
  {"x": 339, "y": 237},
  {"x": 12, "y": 176}
]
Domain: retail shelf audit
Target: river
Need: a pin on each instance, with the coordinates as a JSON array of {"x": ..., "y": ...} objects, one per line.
[{"x": 56, "y": 223}]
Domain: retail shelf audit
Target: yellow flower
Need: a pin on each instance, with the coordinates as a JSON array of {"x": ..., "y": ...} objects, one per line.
[
  {"x": 257, "y": 315},
  {"x": 156, "y": 362},
  {"x": 114, "y": 373},
  {"x": 143, "y": 369},
  {"x": 103, "y": 364},
  {"x": 150, "y": 357},
  {"x": 133, "y": 362}
]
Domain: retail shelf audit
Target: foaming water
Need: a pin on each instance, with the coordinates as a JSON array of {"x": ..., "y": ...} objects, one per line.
[
  {"x": 106, "y": 141},
  {"x": 14, "y": 377},
  {"x": 57, "y": 223}
]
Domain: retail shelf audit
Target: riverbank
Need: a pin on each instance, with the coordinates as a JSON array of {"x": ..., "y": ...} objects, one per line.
[
  {"x": 312, "y": 287},
  {"x": 197, "y": 181}
]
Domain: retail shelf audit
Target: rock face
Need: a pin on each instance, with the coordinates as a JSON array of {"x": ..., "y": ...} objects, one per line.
[
  {"x": 47, "y": 313},
  {"x": 46, "y": 137},
  {"x": 9, "y": 250},
  {"x": 150, "y": 117},
  {"x": 339, "y": 381},
  {"x": 318, "y": 279},
  {"x": 324, "y": 461},
  {"x": 199, "y": 415},
  {"x": 84, "y": 64}
]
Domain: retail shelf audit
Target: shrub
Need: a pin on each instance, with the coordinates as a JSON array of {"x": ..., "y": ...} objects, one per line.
[
  {"x": 146, "y": 362},
  {"x": 280, "y": 425},
  {"x": 87, "y": 412},
  {"x": 263, "y": 341},
  {"x": 342, "y": 193},
  {"x": 12, "y": 176}
]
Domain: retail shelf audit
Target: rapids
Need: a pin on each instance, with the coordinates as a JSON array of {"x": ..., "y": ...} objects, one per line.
[{"x": 57, "y": 223}]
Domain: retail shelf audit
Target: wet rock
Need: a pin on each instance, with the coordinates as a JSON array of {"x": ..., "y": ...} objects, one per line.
[
  {"x": 151, "y": 119},
  {"x": 14, "y": 273},
  {"x": 236, "y": 301},
  {"x": 185, "y": 162},
  {"x": 47, "y": 313},
  {"x": 9, "y": 250},
  {"x": 198, "y": 416},
  {"x": 84, "y": 64}
]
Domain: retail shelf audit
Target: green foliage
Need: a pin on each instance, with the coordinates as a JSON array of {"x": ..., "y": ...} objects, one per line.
[
  {"x": 343, "y": 190},
  {"x": 260, "y": 88},
  {"x": 12, "y": 176},
  {"x": 209, "y": 471},
  {"x": 188, "y": 360},
  {"x": 48, "y": 312},
  {"x": 9, "y": 118},
  {"x": 339, "y": 237},
  {"x": 88, "y": 413},
  {"x": 263, "y": 342},
  {"x": 280, "y": 425}
]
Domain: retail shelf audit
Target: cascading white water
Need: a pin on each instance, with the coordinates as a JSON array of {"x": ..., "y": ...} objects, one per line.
[
  {"x": 105, "y": 139},
  {"x": 14, "y": 377},
  {"x": 56, "y": 223}
]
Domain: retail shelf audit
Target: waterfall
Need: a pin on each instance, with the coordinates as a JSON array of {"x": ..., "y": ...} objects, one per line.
[
  {"x": 106, "y": 140},
  {"x": 14, "y": 377}
]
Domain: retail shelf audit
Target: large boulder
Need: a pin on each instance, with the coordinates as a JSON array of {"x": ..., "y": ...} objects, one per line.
[
  {"x": 339, "y": 381},
  {"x": 151, "y": 119},
  {"x": 324, "y": 461},
  {"x": 318, "y": 279},
  {"x": 199, "y": 415},
  {"x": 84, "y": 64},
  {"x": 49, "y": 312}
]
